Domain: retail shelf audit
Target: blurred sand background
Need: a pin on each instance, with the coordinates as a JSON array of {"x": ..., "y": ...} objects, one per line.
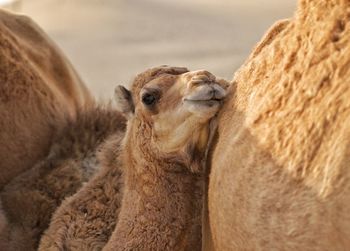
[{"x": 109, "y": 41}]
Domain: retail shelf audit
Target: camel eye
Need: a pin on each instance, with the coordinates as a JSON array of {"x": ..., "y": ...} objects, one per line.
[{"x": 149, "y": 99}]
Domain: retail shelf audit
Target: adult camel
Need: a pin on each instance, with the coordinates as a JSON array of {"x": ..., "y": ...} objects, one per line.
[
  {"x": 280, "y": 169},
  {"x": 38, "y": 90}
]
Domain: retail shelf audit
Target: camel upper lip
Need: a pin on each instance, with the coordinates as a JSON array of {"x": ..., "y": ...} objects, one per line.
[{"x": 207, "y": 93}]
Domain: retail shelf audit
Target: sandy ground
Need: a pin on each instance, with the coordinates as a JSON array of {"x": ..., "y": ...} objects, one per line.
[{"x": 109, "y": 41}]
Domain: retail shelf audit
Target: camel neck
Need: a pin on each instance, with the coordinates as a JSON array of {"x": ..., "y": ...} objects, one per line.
[{"x": 161, "y": 208}]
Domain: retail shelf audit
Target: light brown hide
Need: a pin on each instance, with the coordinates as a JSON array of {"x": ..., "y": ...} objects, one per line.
[
  {"x": 280, "y": 169},
  {"x": 38, "y": 90}
]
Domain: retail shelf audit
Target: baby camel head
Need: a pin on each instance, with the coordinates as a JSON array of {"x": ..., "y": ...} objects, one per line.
[{"x": 169, "y": 109}]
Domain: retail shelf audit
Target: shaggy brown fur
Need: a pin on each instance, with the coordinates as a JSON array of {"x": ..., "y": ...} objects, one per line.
[
  {"x": 280, "y": 177},
  {"x": 161, "y": 206},
  {"x": 30, "y": 199},
  {"x": 38, "y": 89},
  {"x": 86, "y": 220}
]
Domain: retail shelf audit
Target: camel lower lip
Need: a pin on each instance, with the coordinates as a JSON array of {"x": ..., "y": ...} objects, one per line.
[{"x": 209, "y": 102}]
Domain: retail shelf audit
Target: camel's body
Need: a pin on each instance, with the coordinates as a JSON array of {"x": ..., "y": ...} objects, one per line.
[
  {"x": 30, "y": 199},
  {"x": 280, "y": 176},
  {"x": 38, "y": 90},
  {"x": 166, "y": 212}
]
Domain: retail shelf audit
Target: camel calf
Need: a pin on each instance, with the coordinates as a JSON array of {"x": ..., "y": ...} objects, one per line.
[
  {"x": 169, "y": 111},
  {"x": 157, "y": 170}
]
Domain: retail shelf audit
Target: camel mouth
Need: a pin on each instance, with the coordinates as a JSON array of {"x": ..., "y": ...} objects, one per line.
[
  {"x": 204, "y": 107},
  {"x": 205, "y": 96},
  {"x": 207, "y": 102}
]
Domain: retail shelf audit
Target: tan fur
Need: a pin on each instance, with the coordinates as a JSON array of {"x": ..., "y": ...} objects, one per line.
[
  {"x": 161, "y": 206},
  {"x": 30, "y": 199},
  {"x": 280, "y": 177},
  {"x": 38, "y": 89}
]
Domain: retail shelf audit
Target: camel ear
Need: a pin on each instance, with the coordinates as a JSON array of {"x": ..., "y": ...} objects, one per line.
[{"x": 124, "y": 100}]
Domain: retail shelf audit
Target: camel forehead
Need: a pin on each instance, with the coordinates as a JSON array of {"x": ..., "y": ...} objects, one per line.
[
  {"x": 163, "y": 83},
  {"x": 156, "y": 76}
]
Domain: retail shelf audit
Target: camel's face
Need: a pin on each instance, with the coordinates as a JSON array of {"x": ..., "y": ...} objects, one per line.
[{"x": 177, "y": 105}]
